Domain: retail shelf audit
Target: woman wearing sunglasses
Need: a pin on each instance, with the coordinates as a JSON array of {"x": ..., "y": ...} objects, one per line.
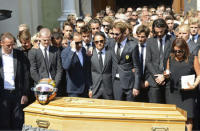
[{"x": 182, "y": 63}]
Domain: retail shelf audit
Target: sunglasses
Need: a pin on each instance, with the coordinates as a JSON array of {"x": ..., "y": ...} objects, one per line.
[
  {"x": 116, "y": 34},
  {"x": 79, "y": 42},
  {"x": 178, "y": 51},
  {"x": 105, "y": 26},
  {"x": 100, "y": 41},
  {"x": 36, "y": 41}
]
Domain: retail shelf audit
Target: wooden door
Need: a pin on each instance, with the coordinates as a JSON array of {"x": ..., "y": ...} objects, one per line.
[{"x": 98, "y": 5}]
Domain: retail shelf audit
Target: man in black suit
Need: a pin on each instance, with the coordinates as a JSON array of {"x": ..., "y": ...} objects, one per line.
[
  {"x": 45, "y": 61},
  {"x": 126, "y": 65},
  {"x": 158, "y": 50},
  {"x": 13, "y": 84},
  {"x": 142, "y": 35},
  {"x": 101, "y": 69},
  {"x": 76, "y": 64}
]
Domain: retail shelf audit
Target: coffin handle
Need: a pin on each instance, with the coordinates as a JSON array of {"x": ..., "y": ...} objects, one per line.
[
  {"x": 160, "y": 129},
  {"x": 42, "y": 123}
]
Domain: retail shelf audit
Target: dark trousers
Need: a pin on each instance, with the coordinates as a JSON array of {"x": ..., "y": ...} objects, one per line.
[
  {"x": 84, "y": 94},
  {"x": 102, "y": 94},
  {"x": 120, "y": 93},
  {"x": 11, "y": 111},
  {"x": 157, "y": 94}
]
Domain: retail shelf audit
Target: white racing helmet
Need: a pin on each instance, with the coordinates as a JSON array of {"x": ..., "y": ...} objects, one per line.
[{"x": 45, "y": 90}]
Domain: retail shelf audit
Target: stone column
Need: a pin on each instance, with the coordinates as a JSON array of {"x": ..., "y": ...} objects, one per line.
[{"x": 68, "y": 7}]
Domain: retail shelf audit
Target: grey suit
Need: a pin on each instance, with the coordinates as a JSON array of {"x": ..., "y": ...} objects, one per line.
[
  {"x": 128, "y": 67},
  {"x": 38, "y": 69},
  {"x": 101, "y": 79},
  {"x": 156, "y": 92},
  {"x": 193, "y": 47}
]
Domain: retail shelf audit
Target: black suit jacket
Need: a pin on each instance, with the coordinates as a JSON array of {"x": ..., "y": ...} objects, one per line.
[
  {"x": 38, "y": 69},
  {"x": 128, "y": 65},
  {"x": 153, "y": 57},
  {"x": 21, "y": 77},
  {"x": 76, "y": 74},
  {"x": 104, "y": 76}
]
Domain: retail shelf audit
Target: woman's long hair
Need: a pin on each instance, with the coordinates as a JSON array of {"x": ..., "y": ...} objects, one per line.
[{"x": 181, "y": 43}]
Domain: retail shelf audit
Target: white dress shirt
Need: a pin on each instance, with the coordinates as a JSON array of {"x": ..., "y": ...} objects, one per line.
[
  {"x": 79, "y": 54},
  {"x": 43, "y": 52},
  {"x": 123, "y": 43},
  {"x": 8, "y": 70},
  {"x": 103, "y": 54},
  {"x": 195, "y": 38}
]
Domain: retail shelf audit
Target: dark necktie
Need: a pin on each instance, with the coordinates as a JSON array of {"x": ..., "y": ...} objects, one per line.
[
  {"x": 46, "y": 60},
  {"x": 141, "y": 57},
  {"x": 161, "y": 56},
  {"x": 100, "y": 60},
  {"x": 118, "y": 50},
  {"x": 193, "y": 38}
]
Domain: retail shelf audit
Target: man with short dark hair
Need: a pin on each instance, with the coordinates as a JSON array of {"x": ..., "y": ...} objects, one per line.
[
  {"x": 101, "y": 69},
  {"x": 79, "y": 24},
  {"x": 95, "y": 26},
  {"x": 142, "y": 36},
  {"x": 76, "y": 64}
]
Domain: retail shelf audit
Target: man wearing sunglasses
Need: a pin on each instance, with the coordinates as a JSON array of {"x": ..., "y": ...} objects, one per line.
[
  {"x": 126, "y": 66},
  {"x": 76, "y": 64},
  {"x": 101, "y": 69}
]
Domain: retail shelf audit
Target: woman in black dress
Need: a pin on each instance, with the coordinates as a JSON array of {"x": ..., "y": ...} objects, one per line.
[{"x": 182, "y": 63}]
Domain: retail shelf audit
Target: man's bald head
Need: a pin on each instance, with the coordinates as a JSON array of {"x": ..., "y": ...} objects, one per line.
[
  {"x": 45, "y": 37},
  {"x": 44, "y": 32}
]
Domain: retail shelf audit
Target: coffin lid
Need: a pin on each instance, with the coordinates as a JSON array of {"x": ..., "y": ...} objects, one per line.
[{"x": 111, "y": 109}]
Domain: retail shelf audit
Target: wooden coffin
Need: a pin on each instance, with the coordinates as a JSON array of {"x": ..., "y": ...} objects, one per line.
[{"x": 85, "y": 114}]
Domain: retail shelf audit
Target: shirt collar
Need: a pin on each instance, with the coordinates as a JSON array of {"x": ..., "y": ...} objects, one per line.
[
  {"x": 163, "y": 38},
  {"x": 84, "y": 44},
  {"x": 42, "y": 47},
  {"x": 145, "y": 44},
  {"x": 195, "y": 37},
  {"x": 124, "y": 42},
  {"x": 3, "y": 53},
  {"x": 103, "y": 50}
]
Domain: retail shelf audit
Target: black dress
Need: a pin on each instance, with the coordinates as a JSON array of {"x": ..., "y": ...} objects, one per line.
[{"x": 174, "y": 94}]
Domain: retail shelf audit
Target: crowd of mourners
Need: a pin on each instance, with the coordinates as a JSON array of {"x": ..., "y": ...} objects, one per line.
[{"x": 141, "y": 55}]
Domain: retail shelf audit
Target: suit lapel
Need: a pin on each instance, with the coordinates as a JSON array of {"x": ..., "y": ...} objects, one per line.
[
  {"x": 50, "y": 55},
  {"x": 1, "y": 65},
  {"x": 105, "y": 60},
  {"x": 84, "y": 55},
  {"x": 157, "y": 47},
  {"x": 96, "y": 59},
  {"x": 125, "y": 50},
  {"x": 167, "y": 44},
  {"x": 15, "y": 62}
]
